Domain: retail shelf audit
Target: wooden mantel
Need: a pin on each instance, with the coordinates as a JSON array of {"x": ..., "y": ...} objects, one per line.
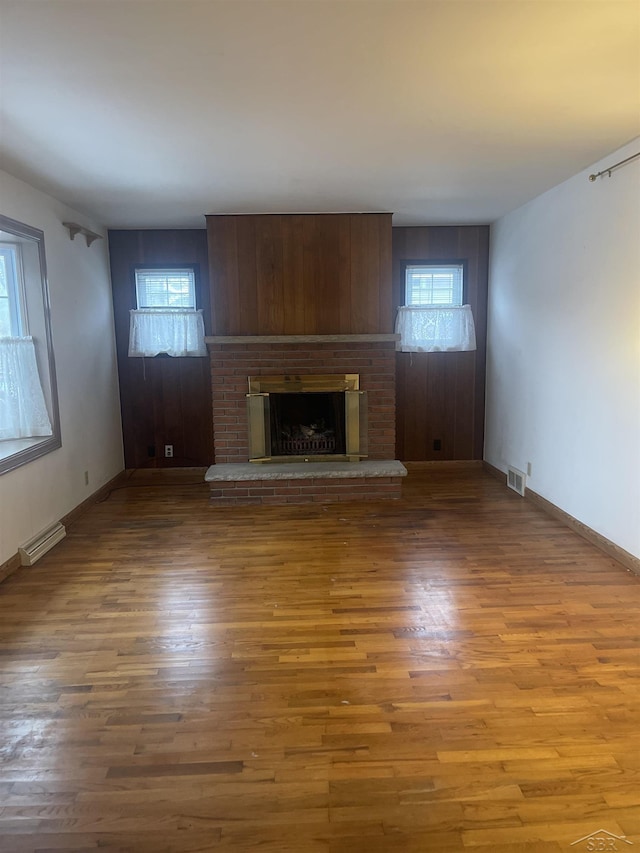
[{"x": 300, "y": 339}]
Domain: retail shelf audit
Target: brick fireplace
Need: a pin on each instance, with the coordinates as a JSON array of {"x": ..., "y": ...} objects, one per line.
[
  {"x": 234, "y": 359},
  {"x": 298, "y": 296}
]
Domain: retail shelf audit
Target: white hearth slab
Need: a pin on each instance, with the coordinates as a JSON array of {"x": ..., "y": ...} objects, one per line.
[{"x": 304, "y": 470}]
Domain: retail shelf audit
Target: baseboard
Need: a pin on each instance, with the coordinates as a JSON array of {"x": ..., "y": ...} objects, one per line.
[
  {"x": 601, "y": 542},
  {"x": 94, "y": 498},
  {"x": 10, "y": 566},
  {"x": 443, "y": 465},
  {"x": 495, "y": 472},
  {"x": 13, "y": 563},
  {"x": 610, "y": 548}
]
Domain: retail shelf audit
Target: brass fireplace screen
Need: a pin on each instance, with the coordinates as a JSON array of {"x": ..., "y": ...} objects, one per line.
[{"x": 312, "y": 418}]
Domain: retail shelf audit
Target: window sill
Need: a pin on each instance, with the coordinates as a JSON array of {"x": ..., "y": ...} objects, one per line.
[{"x": 15, "y": 445}]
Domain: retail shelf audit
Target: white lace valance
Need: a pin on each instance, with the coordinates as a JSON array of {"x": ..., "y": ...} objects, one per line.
[
  {"x": 23, "y": 411},
  {"x": 174, "y": 332},
  {"x": 435, "y": 329}
]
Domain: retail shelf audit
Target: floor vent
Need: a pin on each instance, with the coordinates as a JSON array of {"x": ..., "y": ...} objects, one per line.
[
  {"x": 40, "y": 544},
  {"x": 516, "y": 480}
]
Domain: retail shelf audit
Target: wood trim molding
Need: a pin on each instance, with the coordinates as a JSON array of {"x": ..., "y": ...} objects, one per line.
[
  {"x": 301, "y": 339},
  {"x": 444, "y": 464},
  {"x": 95, "y": 498},
  {"x": 9, "y": 567},
  {"x": 606, "y": 545},
  {"x": 610, "y": 548},
  {"x": 14, "y": 563},
  {"x": 495, "y": 472}
]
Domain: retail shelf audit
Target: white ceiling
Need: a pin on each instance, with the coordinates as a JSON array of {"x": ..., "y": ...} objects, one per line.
[{"x": 154, "y": 113}]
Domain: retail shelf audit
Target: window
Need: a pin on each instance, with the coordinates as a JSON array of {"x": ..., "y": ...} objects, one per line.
[
  {"x": 431, "y": 284},
  {"x": 12, "y": 302},
  {"x": 166, "y": 320},
  {"x": 29, "y": 415},
  {"x": 165, "y": 288},
  {"x": 434, "y": 318}
]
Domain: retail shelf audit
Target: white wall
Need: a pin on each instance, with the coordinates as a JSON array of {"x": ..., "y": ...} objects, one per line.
[
  {"x": 36, "y": 494},
  {"x": 563, "y": 371}
]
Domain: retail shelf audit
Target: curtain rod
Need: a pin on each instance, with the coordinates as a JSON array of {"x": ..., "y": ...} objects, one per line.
[{"x": 615, "y": 166}]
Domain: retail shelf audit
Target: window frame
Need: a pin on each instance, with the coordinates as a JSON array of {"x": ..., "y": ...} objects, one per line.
[
  {"x": 37, "y": 301},
  {"x": 193, "y": 268},
  {"x": 435, "y": 262}
]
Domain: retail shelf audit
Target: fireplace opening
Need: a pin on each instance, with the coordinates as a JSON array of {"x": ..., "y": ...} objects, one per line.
[
  {"x": 308, "y": 424},
  {"x": 294, "y": 418}
]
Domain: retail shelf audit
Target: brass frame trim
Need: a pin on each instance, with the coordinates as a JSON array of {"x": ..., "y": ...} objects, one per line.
[{"x": 308, "y": 383}]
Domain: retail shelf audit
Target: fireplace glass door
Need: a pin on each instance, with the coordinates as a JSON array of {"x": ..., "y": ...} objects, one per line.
[{"x": 306, "y": 419}]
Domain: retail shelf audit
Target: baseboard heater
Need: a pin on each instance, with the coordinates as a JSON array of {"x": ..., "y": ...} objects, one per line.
[{"x": 41, "y": 543}]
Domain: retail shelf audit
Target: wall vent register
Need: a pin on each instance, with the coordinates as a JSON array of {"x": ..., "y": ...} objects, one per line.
[{"x": 516, "y": 480}]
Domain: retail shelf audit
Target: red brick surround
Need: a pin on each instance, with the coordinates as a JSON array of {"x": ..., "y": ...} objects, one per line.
[
  {"x": 317, "y": 490},
  {"x": 232, "y": 363}
]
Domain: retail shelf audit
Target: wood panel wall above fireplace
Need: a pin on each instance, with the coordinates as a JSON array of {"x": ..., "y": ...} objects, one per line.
[{"x": 301, "y": 274}]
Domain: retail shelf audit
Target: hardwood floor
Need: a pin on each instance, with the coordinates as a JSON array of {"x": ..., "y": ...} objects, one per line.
[{"x": 452, "y": 671}]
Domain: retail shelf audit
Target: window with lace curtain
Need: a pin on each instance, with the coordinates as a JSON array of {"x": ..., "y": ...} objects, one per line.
[
  {"x": 12, "y": 303},
  {"x": 434, "y": 318},
  {"x": 166, "y": 320},
  {"x": 23, "y": 410}
]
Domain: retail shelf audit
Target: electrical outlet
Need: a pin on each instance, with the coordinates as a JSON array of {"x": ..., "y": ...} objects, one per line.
[
  {"x": 168, "y": 451},
  {"x": 86, "y": 478},
  {"x": 528, "y": 469},
  {"x": 437, "y": 444}
]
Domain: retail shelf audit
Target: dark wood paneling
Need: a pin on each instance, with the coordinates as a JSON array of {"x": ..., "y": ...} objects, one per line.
[
  {"x": 293, "y": 271},
  {"x": 295, "y": 274},
  {"x": 164, "y": 400},
  {"x": 386, "y": 300},
  {"x": 441, "y": 395},
  {"x": 241, "y": 301},
  {"x": 269, "y": 273},
  {"x": 365, "y": 267},
  {"x": 224, "y": 270},
  {"x": 312, "y": 278}
]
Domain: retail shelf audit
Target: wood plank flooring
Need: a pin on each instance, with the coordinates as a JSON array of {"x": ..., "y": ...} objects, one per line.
[{"x": 453, "y": 671}]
